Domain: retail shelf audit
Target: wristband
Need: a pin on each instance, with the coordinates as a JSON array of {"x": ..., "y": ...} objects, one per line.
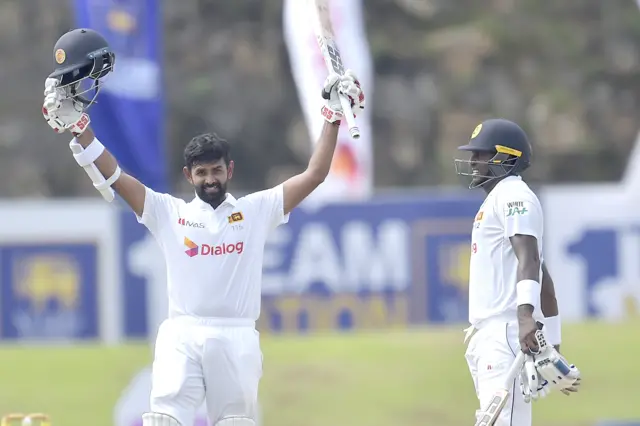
[
  {"x": 528, "y": 293},
  {"x": 553, "y": 330},
  {"x": 89, "y": 154},
  {"x": 94, "y": 149}
]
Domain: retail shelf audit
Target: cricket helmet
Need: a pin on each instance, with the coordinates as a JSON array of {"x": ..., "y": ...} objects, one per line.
[
  {"x": 81, "y": 56},
  {"x": 506, "y": 141}
]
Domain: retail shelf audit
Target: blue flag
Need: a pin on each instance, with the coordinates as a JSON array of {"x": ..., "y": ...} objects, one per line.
[{"x": 129, "y": 114}]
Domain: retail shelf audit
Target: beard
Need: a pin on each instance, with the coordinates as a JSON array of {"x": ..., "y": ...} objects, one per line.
[{"x": 212, "y": 194}]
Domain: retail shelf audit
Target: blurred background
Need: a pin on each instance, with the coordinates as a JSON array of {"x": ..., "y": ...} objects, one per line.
[{"x": 365, "y": 290}]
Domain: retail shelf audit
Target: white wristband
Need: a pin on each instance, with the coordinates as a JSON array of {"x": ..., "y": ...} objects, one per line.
[
  {"x": 90, "y": 153},
  {"x": 553, "y": 330},
  {"x": 94, "y": 149},
  {"x": 528, "y": 293}
]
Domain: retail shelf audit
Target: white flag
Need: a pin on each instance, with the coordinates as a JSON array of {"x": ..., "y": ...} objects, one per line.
[{"x": 351, "y": 174}]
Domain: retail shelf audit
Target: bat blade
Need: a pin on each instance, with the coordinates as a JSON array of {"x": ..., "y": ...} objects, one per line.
[
  {"x": 491, "y": 413},
  {"x": 499, "y": 400},
  {"x": 323, "y": 28}
]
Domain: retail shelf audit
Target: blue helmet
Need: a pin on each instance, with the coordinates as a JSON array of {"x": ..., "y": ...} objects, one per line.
[
  {"x": 81, "y": 58},
  {"x": 506, "y": 141}
]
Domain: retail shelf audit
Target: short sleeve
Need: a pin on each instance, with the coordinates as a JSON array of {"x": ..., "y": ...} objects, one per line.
[
  {"x": 522, "y": 215},
  {"x": 157, "y": 210},
  {"x": 270, "y": 204}
]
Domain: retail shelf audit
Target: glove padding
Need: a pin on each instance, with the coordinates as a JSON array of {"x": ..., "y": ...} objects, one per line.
[
  {"x": 347, "y": 85},
  {"x": 532, "y": 386},
  {"x": 61, "y": 112},
  {"x": 554, "y": 368}
]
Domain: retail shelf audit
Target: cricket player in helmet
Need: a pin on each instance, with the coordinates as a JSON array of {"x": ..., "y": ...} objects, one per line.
[
  {"x": 511, "y": 294},
  {"x": 499, "y": 148}
]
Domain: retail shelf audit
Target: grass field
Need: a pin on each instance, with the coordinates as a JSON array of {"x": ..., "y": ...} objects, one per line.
[{"x": 388, "y": 378}]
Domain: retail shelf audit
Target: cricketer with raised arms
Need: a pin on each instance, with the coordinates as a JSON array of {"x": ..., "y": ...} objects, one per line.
[{"x": 208, "y": 349}]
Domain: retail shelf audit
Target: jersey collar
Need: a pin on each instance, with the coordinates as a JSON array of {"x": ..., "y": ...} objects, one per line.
[
  {"x": 512, "y": 177},
  {"x": 229, "y": 200}
]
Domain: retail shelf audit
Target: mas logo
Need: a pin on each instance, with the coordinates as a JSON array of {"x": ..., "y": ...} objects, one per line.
[{"x": 184, "y": 222}]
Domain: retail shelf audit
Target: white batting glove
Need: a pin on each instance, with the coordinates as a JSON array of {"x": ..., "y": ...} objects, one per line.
[
  {"x": 533, "y": 386},
  {"x": 61, "y": 112},
  {"x": 347, "y": 85},
  {"x": 554, "y": 368}
]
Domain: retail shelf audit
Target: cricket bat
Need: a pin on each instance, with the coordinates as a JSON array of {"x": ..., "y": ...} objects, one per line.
[
  {"x": 321, "y": 18},
  {"x": 498, "y": 401}
]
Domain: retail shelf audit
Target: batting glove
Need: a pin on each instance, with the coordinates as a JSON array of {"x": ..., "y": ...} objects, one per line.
[
  {"x": 554, "y": 368},
  {"x": 61, "y": 112},
  {"x": 533, "y": 386},
  {"x": 336, "y": 85}
]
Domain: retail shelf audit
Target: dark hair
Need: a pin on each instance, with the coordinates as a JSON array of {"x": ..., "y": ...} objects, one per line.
[{"x": 206, "y": 148}]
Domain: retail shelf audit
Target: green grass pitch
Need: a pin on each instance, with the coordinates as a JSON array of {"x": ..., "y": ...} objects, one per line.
[{"x": 353, "y": 379}]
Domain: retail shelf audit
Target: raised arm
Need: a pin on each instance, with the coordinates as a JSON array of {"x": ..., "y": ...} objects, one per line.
[
  {"x": 129, "y": 188},
  {"x": 299, "y": 187},
  {"x": 64, "y": 113}
]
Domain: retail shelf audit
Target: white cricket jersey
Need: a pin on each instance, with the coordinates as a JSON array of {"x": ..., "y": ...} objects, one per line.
[
  {"x": 510, "y": 208},
  {"x": 214, "y": 257}
]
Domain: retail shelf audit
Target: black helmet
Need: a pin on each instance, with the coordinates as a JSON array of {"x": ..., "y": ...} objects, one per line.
[
  {"x": 506, "y": 141},
  {"x": 78, "y": 55}
]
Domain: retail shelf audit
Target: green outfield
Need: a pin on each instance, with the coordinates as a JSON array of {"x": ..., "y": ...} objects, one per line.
[{"x": 389, "y": 378}]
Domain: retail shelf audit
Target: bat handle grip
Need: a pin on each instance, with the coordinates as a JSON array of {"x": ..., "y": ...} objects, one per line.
[{"x": 354, "y": 131}]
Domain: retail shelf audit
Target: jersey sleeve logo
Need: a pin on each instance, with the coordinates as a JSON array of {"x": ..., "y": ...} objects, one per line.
[{"x": 516, "y": 208}]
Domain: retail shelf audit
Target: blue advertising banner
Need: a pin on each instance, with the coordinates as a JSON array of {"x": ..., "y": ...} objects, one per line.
[
  {"x": 129, "y": 115},
  {"x": 592, "y": 247},
  {"x": 134, "y": 280},
  {"x": 383, "y": 263},
  {"x": 49, "y": 291}
]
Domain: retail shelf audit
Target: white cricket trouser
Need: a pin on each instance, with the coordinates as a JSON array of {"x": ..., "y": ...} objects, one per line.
[
  {"x": 214, "y": 360},
  {"x": 490, "y": 352}
]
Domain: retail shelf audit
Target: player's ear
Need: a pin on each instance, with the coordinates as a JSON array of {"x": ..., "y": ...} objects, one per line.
[
  {"x": 187, "y": 174},
  {"x": 230, "y": 169}
]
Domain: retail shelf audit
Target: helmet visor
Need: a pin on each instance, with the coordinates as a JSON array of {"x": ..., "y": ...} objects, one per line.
[{"x": 482, "y": 171}]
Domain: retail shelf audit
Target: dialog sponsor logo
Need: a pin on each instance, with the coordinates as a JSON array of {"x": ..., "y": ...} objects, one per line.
[{"x": 222, "y": 249}]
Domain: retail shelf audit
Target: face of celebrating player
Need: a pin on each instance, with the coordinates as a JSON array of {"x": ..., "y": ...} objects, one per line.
[{"x": 210, "y": 180}]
